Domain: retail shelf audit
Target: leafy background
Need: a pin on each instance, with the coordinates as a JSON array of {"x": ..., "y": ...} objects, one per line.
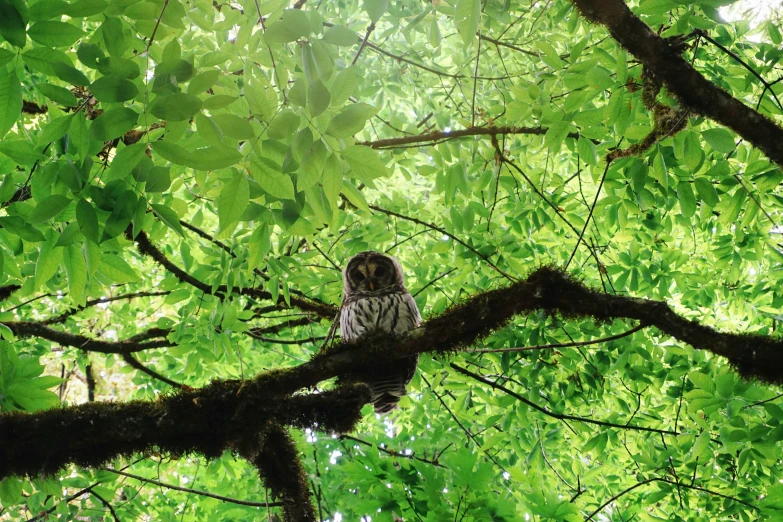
[{"x": 245, "y": 140}]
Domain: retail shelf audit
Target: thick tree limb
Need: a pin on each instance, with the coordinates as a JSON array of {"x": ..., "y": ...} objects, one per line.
[
  {"x": 6, "y": 291},
  {"x": 210, "y": 419},
  {"x": 280, "y": 467},
  {"x": 690, "y": 87}
]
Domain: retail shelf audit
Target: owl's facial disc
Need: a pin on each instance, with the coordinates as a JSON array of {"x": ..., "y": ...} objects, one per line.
[{"x": 372, "y": 274}]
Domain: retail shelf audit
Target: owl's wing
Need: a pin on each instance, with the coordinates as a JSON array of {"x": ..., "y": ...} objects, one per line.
[{"x": 412, "y": 315}]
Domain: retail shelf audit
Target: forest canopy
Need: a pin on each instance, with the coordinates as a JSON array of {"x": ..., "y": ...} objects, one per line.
[{"x": 584, "y": 197}]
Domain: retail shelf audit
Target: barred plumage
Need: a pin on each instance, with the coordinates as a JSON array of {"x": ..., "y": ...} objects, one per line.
[{"x": 375, "y": 300}]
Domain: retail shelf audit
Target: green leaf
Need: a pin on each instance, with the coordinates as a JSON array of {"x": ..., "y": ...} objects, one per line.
[
  {"x": 556, "y": 134},
  {"x": 17, "y": 226},
  {"x": 113, "y": 123},
  {"x": 69, "y": 235},
  {"x": 43, "y": 59},
  {"x": 343, "y": 86},
  {"x": 693, "y": 151},
  {"x": 85, "y": 8},
  {"x": 57, "y": 94},
  {"x": 31, "y": 398},
  {"x": 283, "y": 125},
  {"x": 350, "y": 120},
  {"x": 365, "y": 162},
  {"x": 719, "y": 139},
  {"x": 117, "y": 270},
  {"x": 12, "y": 26},
  {"x": 121, "y": 215},
  {"x": 262, "y": 102},
  {"x": 341, "y": 36},
  {"x": 76, "y": 272},
  {"x": 467, "y": 15},
  {"x": 47, "y": 264},
  {"x": 207, "y": 158},
  {"x": 47, "y": 208},
  {"x": 355, "y": 197},
  {"x": 318, "y": 99},
  {"x": 88, "y": 220},
  {"x": 70, "y": 74},
  {"x": 332, "y": 179},
  {"x": 233, "y": 200},
  {"x": 271, "y": 178},
  {"x": 179, "y": 106},
  {"x": 113, "y": 36},
  {"x": 125, "y": 160},
  {"x": 10, "y": 491},
  {"x": 203, "y": 81},
  {"x": 20, "y": 151},
  {"x": 5, "y": 57},
  {"x": 169, "y": 217},
  {"x": 10, "y": 99},
  {"x": 312, "y": 166},
  {"x": 293, "y": 25},
  {"x": 158, "y": 180},
  {"x": 703, "y": 381},
  {"x": 586, "y": 150},
  {"x": 54, "y": 34},
  {"x": 687, "y": 199},
  {"x": 208, "y": 130},
  {"x": 234, "y": 126},
  {"x": 375, "y": 9},
  {"x": 706, "y": 191},
  {"x": 113, "y": 89}
]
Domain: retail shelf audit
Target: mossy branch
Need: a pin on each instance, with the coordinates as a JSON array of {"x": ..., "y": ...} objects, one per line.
[
  {"x": 206, "y": 421},
  {"x": 279, "y": 465},
  {"x": 213, "y": 418},
  {"x": 692, "y": 89}
]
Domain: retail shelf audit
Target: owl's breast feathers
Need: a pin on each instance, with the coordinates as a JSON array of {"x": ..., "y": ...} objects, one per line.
[
  {"x": 380, "y": 312},
  {"x": 391, "y": 310}
]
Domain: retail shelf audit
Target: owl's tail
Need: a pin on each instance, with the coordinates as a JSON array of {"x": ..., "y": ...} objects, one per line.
[{"x": 387, "y": 393}]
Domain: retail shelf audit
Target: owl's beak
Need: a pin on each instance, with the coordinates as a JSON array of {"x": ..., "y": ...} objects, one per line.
[{"x": 372, "y": 286}]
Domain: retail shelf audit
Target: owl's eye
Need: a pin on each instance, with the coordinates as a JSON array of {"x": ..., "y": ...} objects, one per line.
[
  {"x": 380, "y": 271},
  {"x": 357, "y": 275}
]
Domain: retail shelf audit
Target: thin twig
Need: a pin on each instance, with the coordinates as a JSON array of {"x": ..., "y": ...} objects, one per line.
[
  {"x": 370, "y": 29},
  {"x": 194, "y": 491},
  {"x": 157, "y": 24},
  {"x": 446, "y": 233},
  {"x": 590, "y": 214},
  {"x": 561, "y": 345},
  {"x": 131, "y": 361},
  {"x": 554, "y": 415}
]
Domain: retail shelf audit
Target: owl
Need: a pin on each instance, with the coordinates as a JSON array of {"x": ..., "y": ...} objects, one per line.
[{"x": 375, "y": 300}]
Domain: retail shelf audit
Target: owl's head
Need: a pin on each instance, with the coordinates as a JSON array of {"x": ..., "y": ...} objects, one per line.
[{"x": 371, "y": 272}]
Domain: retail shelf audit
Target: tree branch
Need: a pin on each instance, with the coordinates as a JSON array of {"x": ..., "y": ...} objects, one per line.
[
  {"x": 554, "y": 415},
  {"x": 93, "y": 302},
  {"x": 690, "y": 87},
  {"x": 133, "y": 344},
  {"x": 147, "y": 248},
  {"x": 193, "y": 491},
  {"x": 435, "y": 136},
  {"x": 208, "y": 421},
  {"x": 211, "y": 419},
  {"x": 131, "y": 361}
]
